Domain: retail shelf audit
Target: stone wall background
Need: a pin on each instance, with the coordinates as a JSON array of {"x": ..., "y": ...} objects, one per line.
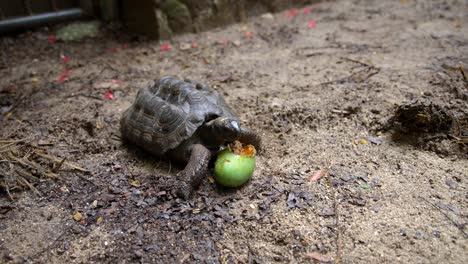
[{"x": 160, "y": 19}]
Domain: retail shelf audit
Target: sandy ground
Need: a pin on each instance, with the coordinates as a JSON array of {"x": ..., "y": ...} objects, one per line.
[{"x": 320, "y": 95}]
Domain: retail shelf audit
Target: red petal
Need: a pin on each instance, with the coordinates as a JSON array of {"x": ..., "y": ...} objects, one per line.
[
  {"x": 51, "y": 39},
  {"x": 65, "y": 58},
  {"x": 306, "y": 10},
  {"x": 165, "y": 47},
  {"x": 194, "y": 44},
  {"x": 292, "y": 13},
  {"x": 108, "y": 95},
  {"x": 249, "y": 35},
  {"x": 67, "y": 72},
  {"x": 311, "y": 24},
  {"x": 63, "y": 78}
]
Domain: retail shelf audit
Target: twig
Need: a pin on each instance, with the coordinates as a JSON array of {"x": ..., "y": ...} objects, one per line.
[
  {"x": 446, "y": 216},
  {"x": 459, "y": 68},
  {"x": 460, "y": 140},
  {"x": 53, "y": 243},
  {"x": 342, "y": 80},
  {"x": 30, "y": 186},
  {"x": 336, "y": 221},
  {"x": 336, "y": 111},
  {"x": 13, "y": 141},
  {"x": 7, "y": 188},
  {"x": 59, "y": 165},
  {"x": 462, "y": 71},
  {"x": 368, "y": 68},
  {"x": 86, "y": 179},
  {"x": 32, "y": 165},
  {"x": 358, "y": 62},
  {"x": 83, "y": 95},
  {"x": 55, "y": 159}
]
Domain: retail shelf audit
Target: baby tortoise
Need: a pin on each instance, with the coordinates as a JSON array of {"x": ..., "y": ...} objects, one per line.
[{"x": 187, "y": 121}]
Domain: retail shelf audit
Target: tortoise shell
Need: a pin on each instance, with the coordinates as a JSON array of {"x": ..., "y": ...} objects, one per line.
[{"x": 169, "y": 112}]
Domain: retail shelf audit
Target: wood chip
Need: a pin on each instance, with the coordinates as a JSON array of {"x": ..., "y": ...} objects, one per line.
[
  {"x": 55, "y": 159},
  {"x": 319, "y": 257},
  {"x": 317, "y": 175}
]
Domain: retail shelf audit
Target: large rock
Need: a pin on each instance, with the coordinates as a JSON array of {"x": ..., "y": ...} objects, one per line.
[
  {"x": 164, "y": 31},
  {"x": 140, "y": 17},
  {"x": 178, "y": 14},
  {"x": 161, "y": 18}
]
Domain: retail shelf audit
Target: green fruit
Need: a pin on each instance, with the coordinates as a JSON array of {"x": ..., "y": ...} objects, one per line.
[{"x": 232, "y": 170}]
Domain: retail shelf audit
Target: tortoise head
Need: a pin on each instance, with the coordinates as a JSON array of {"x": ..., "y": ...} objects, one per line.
[{"x": 227, "y": 128}]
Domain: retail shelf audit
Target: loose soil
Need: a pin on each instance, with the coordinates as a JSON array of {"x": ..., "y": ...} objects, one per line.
[{"x": 321, "y": 97}]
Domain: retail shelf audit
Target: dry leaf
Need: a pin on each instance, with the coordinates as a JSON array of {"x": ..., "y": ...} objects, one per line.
[{"x": 165, "y": 47}]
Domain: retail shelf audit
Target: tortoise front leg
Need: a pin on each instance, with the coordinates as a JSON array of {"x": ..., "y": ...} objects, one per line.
[
  {"x": 194, "y": 171},
  {"x": 250, "y": 137}
]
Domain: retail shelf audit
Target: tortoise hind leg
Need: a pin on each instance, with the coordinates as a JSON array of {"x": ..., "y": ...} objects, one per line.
[
  {"x": 250, "y": 137},
  {"x": 194, "y": 171}
]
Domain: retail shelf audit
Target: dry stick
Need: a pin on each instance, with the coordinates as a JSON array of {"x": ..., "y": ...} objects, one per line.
[
  {"x": 7, "y": 146},
  {"x": 462, "y": 71},
  {"x": 358, "y": 62},
  {"x": 336, "y": 223},
  {"x": 450, "y": 219},
  {"x": 7, "y": 188},
  {"x": 15, "y": 105},
  {"x": 368, "y": 68},
  {"x": 84, "y": 95},
  {"x": 55, "y": 159},
  {"x": 35, "y": 166},
  {"x": 30, "y": 186},
  {"x": 13, "y": 141},
  {"x": 59, "y": 165},
  {"x": 71, "y": 165},
  {"x": 346, "y": 78}
]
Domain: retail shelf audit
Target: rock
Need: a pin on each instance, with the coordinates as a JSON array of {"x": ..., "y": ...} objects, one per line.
[
  {"x": 375, "y": 140},
  {"x": 139, "y": 253},
  {"x": 178, "y": 15},
  {"x": 164, "y": 31},
  {"x": 268, "y": 16},
  {"x": 77, "y": 216},
  {"x": 140, "y": 17},
  {"x": 77, "y": 31},
  {"x": 185, "y": 46}
]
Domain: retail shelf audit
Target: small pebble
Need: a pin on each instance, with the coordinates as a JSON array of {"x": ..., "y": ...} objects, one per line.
[
  {"x": 418, "y": 235},
  {"x": 139, "y": 253}
]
